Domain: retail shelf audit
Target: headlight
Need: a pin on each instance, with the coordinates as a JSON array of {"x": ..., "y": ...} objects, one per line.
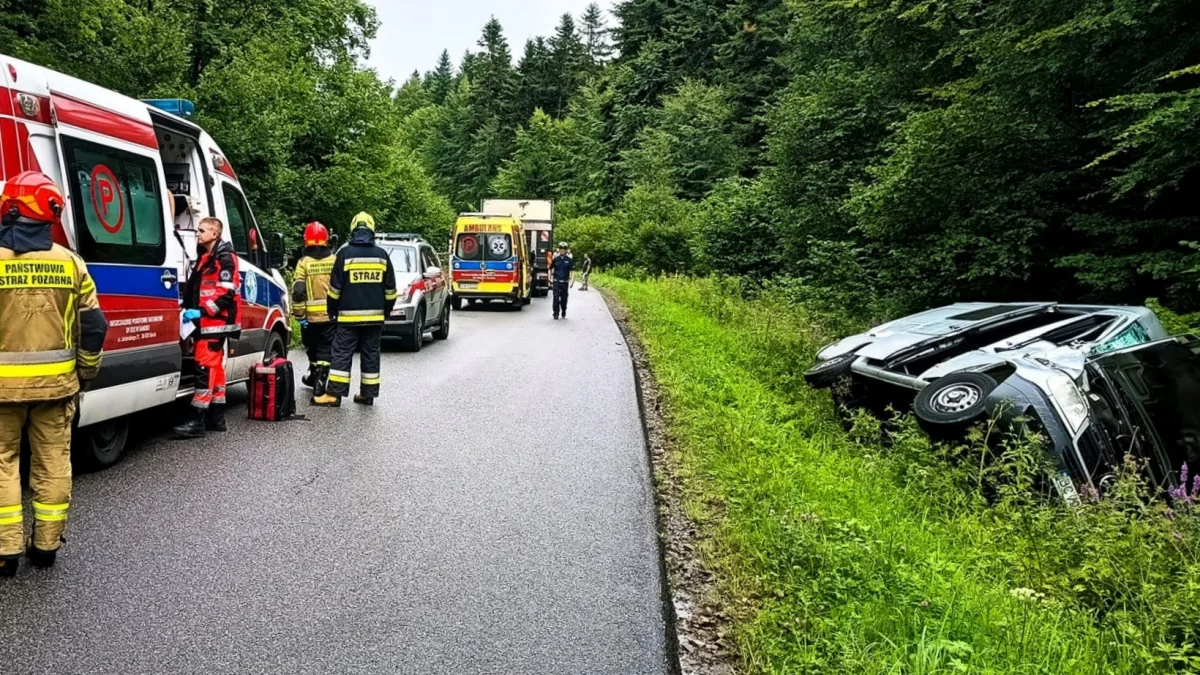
[{"x": 1069, "y": 400}]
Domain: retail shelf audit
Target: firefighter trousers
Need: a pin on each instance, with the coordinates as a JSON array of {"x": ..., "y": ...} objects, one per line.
[
  {"x": 346, "y": 340},
  {"x": 210, "y": 373},
  {"x": 49, "y": 424},
  {"x": 318, "y": 342},
  {"x": 561, "y": 289}
]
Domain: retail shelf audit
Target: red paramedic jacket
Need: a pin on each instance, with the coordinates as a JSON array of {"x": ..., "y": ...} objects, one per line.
[{"x": 213, "y": 288}]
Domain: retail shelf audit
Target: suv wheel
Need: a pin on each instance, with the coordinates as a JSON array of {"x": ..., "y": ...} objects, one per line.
[
  {"x": 413, "y": 343},
  {"x": 949, "y": 405},
  {"x": 827, "y": 373},
  {"x": 443, "y": 330}
]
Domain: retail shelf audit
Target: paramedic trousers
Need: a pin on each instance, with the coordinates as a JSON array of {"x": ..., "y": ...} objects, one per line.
[
  {"x": 49, "y": 424},
  {"x": 318, "y": 342},
  {"x": 561, "y": 288},
  {"x": 210, "y": 373},
  {"x": 347, "y": 339}
]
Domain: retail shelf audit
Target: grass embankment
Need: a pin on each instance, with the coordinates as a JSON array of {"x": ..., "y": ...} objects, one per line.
[{"x": 837, "y": 555}]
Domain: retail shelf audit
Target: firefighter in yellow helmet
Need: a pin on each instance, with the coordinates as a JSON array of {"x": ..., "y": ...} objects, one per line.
[
  {"x": 51, "y": 335},
  {"x": 310, "y": 288},
  {"x": 362, "y": 292}
]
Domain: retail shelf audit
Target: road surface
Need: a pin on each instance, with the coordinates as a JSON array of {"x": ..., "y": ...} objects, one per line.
[{"x": 492, "y": 514}]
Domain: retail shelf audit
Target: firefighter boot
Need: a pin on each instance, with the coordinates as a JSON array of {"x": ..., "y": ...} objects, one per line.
[
  {"x": 364, "y": 400},
  {"x": 193, "y": 428},
  {"x": 311, "y": 377},
  {"x": 39, "y": 558},
  {"x": 318, "y": 384},
  {"x": 8, "y": 567},
  {"x": 215, "y": 420},
  {"x": 328, "y": 401}
]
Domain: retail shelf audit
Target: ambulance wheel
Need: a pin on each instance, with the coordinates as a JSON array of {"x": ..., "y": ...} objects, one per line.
[
  {"x": 456, "y": 302},
  {"x": 99, "y": 446},
  {"x": 276, "y": 347},
  {"x": 413, "y": 343},
  {"x": 518, "y": 304}
]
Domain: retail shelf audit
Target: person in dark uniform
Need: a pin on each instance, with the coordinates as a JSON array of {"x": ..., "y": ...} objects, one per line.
[
  {"x": 562, "y": 274},
  {"x": 362, "y": 292}
]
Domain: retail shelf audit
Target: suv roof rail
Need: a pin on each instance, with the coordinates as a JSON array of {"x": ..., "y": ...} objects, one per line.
[{"x": 400, "y": 236}]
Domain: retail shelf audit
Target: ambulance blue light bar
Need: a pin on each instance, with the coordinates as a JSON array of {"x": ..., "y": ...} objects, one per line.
[{"x": 175, "y": 106}]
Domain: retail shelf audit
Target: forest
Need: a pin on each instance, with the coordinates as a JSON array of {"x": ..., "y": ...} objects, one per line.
[{"x": 869, "y": 154}]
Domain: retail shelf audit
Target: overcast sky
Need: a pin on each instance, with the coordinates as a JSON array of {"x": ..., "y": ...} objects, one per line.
[{"x": 414, "y": 32}]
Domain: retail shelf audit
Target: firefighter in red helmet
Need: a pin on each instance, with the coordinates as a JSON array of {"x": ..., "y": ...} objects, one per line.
[
  {"x": 310, "y": 289},
  {"x": 51, "y": 335},
  {"x": 213, "y": 298}
]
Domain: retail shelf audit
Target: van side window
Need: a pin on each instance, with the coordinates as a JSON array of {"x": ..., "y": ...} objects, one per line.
[
  {"x": 240, "y": 220},
  {"x": 117, "y": 196}
]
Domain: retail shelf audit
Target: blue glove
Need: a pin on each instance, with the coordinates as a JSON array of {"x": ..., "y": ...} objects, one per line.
[
  {"x": 304, "y": 323},
  {"x": 191, "y": 314}
]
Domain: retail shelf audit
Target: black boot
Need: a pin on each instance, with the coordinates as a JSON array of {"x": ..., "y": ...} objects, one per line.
[
  {"x": 364, "y": 400},
  {"x": 311, "y": 376},
  {"x": 8, "y": 567},
  {"x": 320, "y": 376},
  {"x": 41, "y": 559},
  {"x": 215, "y": 421},
  {"x": 193, "y": 428}
]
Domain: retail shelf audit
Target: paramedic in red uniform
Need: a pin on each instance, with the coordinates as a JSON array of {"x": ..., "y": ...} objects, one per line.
[
  {"x": 51, "y": 335},
  {"x": 212, "y": 297}
]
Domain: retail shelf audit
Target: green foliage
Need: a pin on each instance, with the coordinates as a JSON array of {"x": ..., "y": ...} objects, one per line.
[{"x": 836, "y": 554}]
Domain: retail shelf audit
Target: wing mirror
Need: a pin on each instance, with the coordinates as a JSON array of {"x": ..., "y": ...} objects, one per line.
[{"x": 278, "y": 247}]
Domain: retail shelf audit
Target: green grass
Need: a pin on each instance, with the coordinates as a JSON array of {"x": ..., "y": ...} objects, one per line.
[{"x": 836, "y": 555}]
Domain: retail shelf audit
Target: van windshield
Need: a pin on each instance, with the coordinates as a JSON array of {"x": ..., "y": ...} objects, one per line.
[{"x": 471, "y": 246}]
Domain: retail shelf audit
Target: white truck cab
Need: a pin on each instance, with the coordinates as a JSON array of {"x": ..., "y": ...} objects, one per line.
[{"x": 138, "y": 176}]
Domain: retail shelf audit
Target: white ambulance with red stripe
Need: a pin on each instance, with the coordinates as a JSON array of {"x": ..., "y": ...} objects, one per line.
[{"x": 138, "y": 179}]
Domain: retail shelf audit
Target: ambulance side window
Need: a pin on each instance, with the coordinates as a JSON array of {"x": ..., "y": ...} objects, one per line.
[{"x": 117, "y": 196}]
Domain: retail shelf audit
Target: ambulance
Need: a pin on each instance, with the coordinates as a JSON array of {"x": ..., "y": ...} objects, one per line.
[
  {"x": 138, "y": 177},
  {"x": 489, "y": 261}
]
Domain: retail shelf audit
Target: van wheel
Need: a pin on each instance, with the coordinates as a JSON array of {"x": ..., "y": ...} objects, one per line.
[
  {"x": 456, "y": 302},
  {"x": 828, "y": 373},
  {"x": 518, "y": 304},
  {"x": 99, "y": 446},
  {"x": 276, "y": 347},
  {"x": 443, "y": 330},
  {"x": 949, "y": 405},
  {"x": 413, "y": 343}
]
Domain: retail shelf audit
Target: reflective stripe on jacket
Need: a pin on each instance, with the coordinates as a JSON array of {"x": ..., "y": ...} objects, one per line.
[
  {"x": 214, "y": 288},
  {"x": 362, "y": 285},
  {"x": 51, "y": 327},
  {"x": 310, "y": 285}
]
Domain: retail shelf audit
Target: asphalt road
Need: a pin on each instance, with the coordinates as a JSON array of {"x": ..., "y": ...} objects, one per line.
[{"x": 491, "y": 514}]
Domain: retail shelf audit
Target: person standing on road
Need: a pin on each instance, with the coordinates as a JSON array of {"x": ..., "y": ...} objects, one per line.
[
  {"x": 562, "y": 275},
  {"x": 51, "y": 335},
  {"x": 362, "y": 292},
  {"x": 587, "y": 271},
  {"x": 212, "y": 297},
  {"x": 310, "y": 289}
]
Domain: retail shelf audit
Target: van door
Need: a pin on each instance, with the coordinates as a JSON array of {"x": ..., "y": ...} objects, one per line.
[
  {"x": 118, "y": 214},
  {"x": 259, "y": 294}
]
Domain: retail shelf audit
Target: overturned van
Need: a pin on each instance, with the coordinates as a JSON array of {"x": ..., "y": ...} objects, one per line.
[{"x": 138, "y": 177}]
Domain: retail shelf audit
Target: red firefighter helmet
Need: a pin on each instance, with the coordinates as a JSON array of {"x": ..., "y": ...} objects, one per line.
[
  {"x": 31, "y": 195},
  {"x": 315, "y": 234}
]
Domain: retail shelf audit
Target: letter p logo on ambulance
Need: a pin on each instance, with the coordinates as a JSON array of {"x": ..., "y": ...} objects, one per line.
[{"x": 105, "y": 189}]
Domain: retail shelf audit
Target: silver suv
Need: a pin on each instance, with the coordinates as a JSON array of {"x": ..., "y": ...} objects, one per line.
[{"x": 424, "y": 304}]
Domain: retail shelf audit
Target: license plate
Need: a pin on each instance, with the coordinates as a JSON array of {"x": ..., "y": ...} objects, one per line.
[{"x": 468, "y": 284}]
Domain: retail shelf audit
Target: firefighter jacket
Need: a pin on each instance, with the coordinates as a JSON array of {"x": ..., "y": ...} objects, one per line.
[
  {"x": 310, "y": 286},
  {"x": 213, "y": 288},
  {"x": 362, "y": 286},
  {"x": 51, "y": 327}
]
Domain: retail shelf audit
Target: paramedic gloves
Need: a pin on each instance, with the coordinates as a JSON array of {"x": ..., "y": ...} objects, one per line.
[{"x": 191, "y": 314}]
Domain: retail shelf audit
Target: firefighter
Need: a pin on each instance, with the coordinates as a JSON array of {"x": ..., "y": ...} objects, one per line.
[
  {"x": 51, "y": 335},
  {"x": 362, "y": 291},
  {"x": 562, "y": 271},
  {"x": 310, "y": 288},
  {"x": 211, "y": 297}
]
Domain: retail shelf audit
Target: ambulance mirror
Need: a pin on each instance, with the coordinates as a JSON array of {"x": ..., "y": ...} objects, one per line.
[{"x": 278, "y": 247}]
